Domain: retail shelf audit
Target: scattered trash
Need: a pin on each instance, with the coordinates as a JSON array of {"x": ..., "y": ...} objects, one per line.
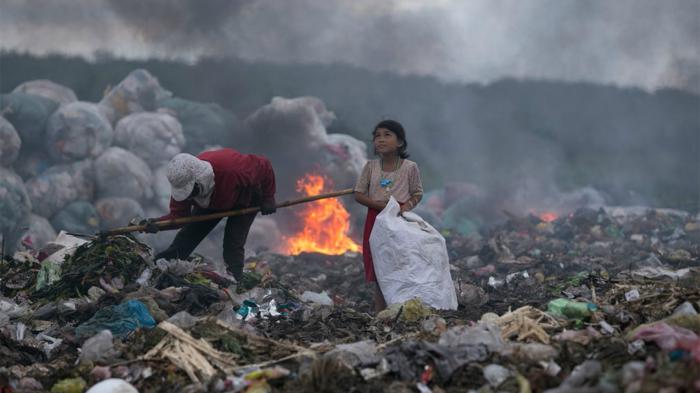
[{"x": 590, "y": 300}]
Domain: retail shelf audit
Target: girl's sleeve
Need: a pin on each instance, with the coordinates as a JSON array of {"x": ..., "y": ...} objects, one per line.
[
  {"x": 362, "y": 184},
  {"x": 415, "y": 187}
]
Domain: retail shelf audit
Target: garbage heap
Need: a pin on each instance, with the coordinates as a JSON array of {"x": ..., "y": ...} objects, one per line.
[{"x": 596, "y": 301}]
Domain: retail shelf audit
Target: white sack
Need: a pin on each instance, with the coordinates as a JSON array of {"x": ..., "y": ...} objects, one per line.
[{"x": 410, "y": 259}]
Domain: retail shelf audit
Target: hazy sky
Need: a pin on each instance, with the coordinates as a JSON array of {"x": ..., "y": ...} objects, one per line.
[{"x": 643, "y": 43}]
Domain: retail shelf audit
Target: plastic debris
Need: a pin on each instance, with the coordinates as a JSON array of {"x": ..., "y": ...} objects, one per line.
[
  {"x": 565, "y": 308},
  {"x": 318, "y": 298},
  {"x": 496, "y": 374},
  {"x": 120, "y": 320},
  {"x": 632, "y": 295},
  {"x": 98, "y": 348},
  {"x": 481, "y": 334},
  {"x": 70, "y": 385}
]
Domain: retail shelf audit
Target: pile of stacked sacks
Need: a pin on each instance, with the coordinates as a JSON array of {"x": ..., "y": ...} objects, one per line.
[{"x": 82, "y": 167}]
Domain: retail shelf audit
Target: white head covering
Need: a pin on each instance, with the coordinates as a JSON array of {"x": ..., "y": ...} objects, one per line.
[{"x": 183, "y": 171}]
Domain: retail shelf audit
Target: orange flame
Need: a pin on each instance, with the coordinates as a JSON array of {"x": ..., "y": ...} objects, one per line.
[
  {"x": 548, "y": 216},
  {"x": 326, "y": 223}
]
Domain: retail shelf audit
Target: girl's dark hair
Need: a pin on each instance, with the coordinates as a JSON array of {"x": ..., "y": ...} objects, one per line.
[{"x": 395, "y": 127}]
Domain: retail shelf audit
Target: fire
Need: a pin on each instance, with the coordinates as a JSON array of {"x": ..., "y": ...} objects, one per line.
[
  {"x": 326, "y": 223},
  {"x": 548, "y": 216}
]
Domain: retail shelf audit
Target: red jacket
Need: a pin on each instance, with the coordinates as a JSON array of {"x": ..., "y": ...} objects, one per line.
[{"x": 238, "y": 178}]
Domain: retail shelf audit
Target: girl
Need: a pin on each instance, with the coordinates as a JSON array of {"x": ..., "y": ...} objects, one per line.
[{"x": 390, "y": 175}]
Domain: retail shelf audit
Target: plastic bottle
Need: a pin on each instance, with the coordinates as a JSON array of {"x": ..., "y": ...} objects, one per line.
[{"x": 571, "y": 309}]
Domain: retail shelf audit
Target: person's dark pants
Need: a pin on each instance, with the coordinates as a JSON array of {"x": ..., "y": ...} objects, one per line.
[{"x": 235, "y": 235}]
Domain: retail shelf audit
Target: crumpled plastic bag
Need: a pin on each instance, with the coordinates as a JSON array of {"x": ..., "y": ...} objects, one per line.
[
  {"x": 154, "y": 137},
  {"x": 120, "y": 320},
  {"x": 483, "y": 333},
  {"x": 60, "y": 185},
  {"x": 10, "y": 143},
  {"x": 47, "y": 89},
  {"x": 410, "y": 259},
  {"x": 77, "y": 131},
  {"x": 98, "y": 348},
  {"x": 120, "y": 173},
  {"x": 669, "y": 338}
]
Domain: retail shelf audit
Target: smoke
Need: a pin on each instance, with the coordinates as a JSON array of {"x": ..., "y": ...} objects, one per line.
[{"x": 643, "y": 43}]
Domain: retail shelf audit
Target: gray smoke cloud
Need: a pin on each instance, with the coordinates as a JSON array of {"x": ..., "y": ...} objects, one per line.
[{"x": 642, "y": 43}]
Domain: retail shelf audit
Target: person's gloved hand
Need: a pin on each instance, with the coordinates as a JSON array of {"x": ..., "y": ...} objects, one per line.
[
  {"x": 149, "y": 225},
  {"x": 268, "y": 206}
]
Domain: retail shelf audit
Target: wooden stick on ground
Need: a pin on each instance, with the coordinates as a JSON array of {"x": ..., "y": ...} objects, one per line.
[{"x": 206, "y": 217}]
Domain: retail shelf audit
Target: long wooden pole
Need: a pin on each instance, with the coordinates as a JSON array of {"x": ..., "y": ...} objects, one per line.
[{"x": 207, "y": 217}]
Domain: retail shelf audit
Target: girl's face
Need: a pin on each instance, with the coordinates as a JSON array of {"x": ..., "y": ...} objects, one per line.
[{"x": 386, "y": 142}]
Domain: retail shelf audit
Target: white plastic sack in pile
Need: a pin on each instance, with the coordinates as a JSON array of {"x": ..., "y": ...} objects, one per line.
[
  {"x": 138, "y": 92},
  {"x": 155, "y": 137},
  {"x": 410, "y": 259},
  {"x": 14, "y": 205},
  {"x": 117, "y": 211},
  {"x": 161, "y": 188},
  {"x": 77, "y": 217},
  {"x": 77, "y": 130},
  {"x": 39, "y": 232},
  {"x": 28, "y": 114},
  {"x": 10, "y": 143},
  {"x": 47, "y": 89},
  {"x": 120, "y": 173},
  {"x": 60, "y": 185}
]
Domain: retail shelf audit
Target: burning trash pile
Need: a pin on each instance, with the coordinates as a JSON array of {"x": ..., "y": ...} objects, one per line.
[{"x": 597, "y": 300}]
